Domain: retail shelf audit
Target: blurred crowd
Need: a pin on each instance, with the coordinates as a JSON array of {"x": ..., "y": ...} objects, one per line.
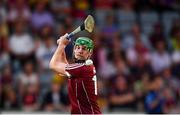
[{"x": 136, "y": 54}]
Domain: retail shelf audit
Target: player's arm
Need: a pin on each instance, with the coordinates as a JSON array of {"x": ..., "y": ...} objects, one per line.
[{"x": 58, "y": 61}]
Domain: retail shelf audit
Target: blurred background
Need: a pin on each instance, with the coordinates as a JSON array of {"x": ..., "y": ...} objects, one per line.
[{"x": 136, "y": 54}]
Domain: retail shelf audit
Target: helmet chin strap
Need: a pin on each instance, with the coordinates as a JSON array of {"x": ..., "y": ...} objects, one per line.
[{"x": 79, "y": 61}]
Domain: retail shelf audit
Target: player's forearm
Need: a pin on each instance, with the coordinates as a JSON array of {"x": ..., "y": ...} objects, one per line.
[
  {"x": 58, "y": 60},
  {"x": 59, "y": 55},
  {"x": 64, "y": 57}
]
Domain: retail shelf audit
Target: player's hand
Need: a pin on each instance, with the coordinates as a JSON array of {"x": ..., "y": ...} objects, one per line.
[{"x": 63, "y": 40}]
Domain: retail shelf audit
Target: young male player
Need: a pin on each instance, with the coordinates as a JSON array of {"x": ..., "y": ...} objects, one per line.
[{"x": 82, "y": 85}]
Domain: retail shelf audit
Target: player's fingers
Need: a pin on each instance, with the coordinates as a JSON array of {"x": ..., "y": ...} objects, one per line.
[
  {"x": 62, "y": 37},
  {"x": 57, "y": 41},
  {"x": 65, "y": 36}
]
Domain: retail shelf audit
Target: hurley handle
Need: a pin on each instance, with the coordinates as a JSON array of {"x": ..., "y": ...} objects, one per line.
[{"x": 80, "y": 28}]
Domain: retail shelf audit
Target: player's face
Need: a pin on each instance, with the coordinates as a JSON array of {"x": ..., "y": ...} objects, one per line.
[{"x": 81, "y": 52}]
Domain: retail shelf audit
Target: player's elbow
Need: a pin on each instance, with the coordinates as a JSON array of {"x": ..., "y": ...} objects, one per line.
[
  {"x": 52, "y": 66},
  {"x": 57, "y": 67}
]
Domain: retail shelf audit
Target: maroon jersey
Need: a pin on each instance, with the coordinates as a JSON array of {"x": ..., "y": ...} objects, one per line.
[{"x": 82, "y": 89}]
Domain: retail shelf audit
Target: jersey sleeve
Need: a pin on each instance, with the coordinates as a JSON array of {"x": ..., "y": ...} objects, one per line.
[{"x": 78, "y": 70}]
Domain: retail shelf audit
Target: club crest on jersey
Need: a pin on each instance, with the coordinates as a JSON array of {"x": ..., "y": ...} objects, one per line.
[{"x": 88, "y": 62}]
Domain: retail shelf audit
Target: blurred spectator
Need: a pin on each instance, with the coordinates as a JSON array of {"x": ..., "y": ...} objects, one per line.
[
  {"x": 127, "y": 4},
  {"x": 129, "y": 40},
  {"x": 27, "y": 78},
  {"x": 139, "y": 50},
  {"x": 41, "y": 17},
  {"x": 80, "y": 8},
  {"x": 44, "y": 32},
  {"x": 126, "y": 16},
  {"x": 5, "y": 59},
  {"x": 3, "y": 11},
  {"x": 156, "y": 5},
  {"x": 21, "y": 45},
  {"x": 60, "y": 29},
  {"x": 170, "y": 103},
  {"x": 157, "y": 35},
  {"x": 176, "y": 57},
  {"x": 170, "y": 80},
  {"x": 176, "y": 63},
  {"x": 118, "y": 55},
  {"x": 121, "y": 97},
  {"x": 62, "y": 8},
  {"x": 102, "y": 95},
  {"x": 10, "y": 99},
  {"x": 141, "y": 87},
  {"x": 172, "y": 88},
  {"x": 1, "y": 96},
  {"x": 160, "y": 59},
  {"x": 138, "y": 59},
  {"x": 167, "y": 4},
  {"x": 121, "y": 66},
  {"x": 68, "y": 23},
  {"x": 110, "y": 29},
  {"x": 142, "y": 66},
  {"x": 175, "y": 39},
  {"x": 7, "y": 76},
  {"x": 98, "y": 46},
  {"x": 18, "y": 9},
  {"x": 117, "y": 49},
  {"x": 30, "y": 98},
  {"x": 153, "y": 99},
  {"x": 4, "y": 54},
  {"x": 55, "y": 99},
  {"x": 44, "y": 52},
  {"x": 105, "y": 67},
  {"x": 103, "y": 4},
  {"x": 3, "y": 36}
]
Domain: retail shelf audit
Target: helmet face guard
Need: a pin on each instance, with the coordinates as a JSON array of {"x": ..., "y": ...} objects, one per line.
[{"x": 85, "y": 41}]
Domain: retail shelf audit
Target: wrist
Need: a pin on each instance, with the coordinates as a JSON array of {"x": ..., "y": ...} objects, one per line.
[{"x": 61, "y": 45}]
